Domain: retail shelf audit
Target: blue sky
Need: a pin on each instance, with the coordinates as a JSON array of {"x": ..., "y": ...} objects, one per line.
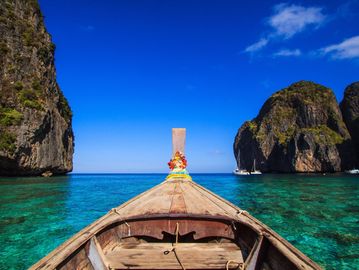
[{"x": 132, "y": 70}]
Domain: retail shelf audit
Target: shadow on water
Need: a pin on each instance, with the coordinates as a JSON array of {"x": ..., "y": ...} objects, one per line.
[{"x": 318, "y": 214}]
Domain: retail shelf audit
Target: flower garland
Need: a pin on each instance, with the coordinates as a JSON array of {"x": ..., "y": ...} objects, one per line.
[{"x": 178, "y": 162}]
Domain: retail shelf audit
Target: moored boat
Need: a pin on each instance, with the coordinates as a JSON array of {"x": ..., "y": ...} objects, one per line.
[
  {"x": 353, "y": 171},
  {"x": 239, "y": 170},
  {"x": 255, "y": 171},
  {"x": 177, "y": 224}
]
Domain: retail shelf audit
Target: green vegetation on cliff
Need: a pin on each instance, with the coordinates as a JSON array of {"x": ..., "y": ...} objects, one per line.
[
  {"x": 29, "y": 98},
  {"x": 9, "y": 117},
  {"x": 308, "y": 92},
  {"x": 310, "y": 102},
  {"x": 64, "y": 108},
  {"x": 7, "y": 142},
  {"x": 324, "y": 135}
]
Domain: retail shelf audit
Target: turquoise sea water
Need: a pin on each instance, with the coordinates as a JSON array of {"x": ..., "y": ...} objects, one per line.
[{"x": 317, "y": 214}]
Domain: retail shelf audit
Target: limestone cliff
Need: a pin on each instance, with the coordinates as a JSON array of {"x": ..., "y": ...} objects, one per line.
[
  {"x": 298, "y": 129},
  {"x": 35, "y": 118},
  {"x": 350, "y": 111}
]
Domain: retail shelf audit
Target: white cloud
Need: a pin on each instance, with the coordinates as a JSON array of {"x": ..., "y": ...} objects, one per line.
[
  {"x": 347, "y": 49},
  {"x": 257, "y": 46},
  {"x": 286, "y": 52},
  {"x": 289, "y": 20}
]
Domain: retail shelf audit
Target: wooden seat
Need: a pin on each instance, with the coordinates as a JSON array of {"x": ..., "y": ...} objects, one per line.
[{"x": 162, "y": 256}]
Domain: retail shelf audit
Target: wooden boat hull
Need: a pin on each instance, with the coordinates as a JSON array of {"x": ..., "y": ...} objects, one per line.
[{"x": 176, "y": 225}]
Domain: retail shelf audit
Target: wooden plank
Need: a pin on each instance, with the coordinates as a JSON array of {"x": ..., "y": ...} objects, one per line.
[
  {"x": 220, "y": 206},
  {"x": 178, "y": 204},
  {"x": 160, "y": 245},
  {"x": 194, "y": 203},
  {"x": 79, "y": 261},
  {"x": 198, "y": 203},
  {"x": 156, "y": 201},
  {"x": 252, "y": 260},
  {"x": 161, "y": 255},
  {"x": 96, "y": 256}
]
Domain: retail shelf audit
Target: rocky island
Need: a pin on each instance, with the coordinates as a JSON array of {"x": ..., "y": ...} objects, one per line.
[
  {"x": 350, "y": 111},
  {"x": 36, "y": 134},
  {"x": 300, "y": 129}
]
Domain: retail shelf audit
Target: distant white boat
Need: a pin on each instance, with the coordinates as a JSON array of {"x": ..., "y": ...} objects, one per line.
[
  {"x": 255, "y": 171},
  {"x": 353, "y": 171},
  {"x": 239, "y": 170}
]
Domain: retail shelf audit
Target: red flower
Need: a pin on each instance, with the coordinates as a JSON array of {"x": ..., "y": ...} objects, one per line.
[{"x": 178, "y": 160}]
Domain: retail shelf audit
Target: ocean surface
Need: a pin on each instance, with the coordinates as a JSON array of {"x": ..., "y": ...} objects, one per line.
[{"x": 317, "y": 214}]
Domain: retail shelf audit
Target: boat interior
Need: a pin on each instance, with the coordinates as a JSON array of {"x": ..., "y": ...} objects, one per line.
[{"x": 179, "y": 242}]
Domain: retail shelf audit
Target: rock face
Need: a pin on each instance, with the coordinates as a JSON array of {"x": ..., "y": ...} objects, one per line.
[
  {"x": 35, "y": 119},
  {"x": 350, "y": 111},
  {"x": 298, "y": 129}
]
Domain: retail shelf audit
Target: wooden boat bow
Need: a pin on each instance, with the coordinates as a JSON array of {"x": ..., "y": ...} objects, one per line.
[{"x": 177, "y": 224}]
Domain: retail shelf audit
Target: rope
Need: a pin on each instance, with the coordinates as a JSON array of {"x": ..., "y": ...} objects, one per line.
[
  {"x": 241, "y": 212},
  {"x": 238, "y": 217},
  {"x": 234, "y": 225},
  {"x": 240, "y": 265},
  {"x": 178, "y": 259},
  {"x": 124, "y": 221},
  {"x": 177, "y": 230},
  {"x": 174, "y": 247}
]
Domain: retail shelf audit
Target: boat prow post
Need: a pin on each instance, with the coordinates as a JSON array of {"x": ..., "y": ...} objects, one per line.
[{"x": 178, "y": 162}]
